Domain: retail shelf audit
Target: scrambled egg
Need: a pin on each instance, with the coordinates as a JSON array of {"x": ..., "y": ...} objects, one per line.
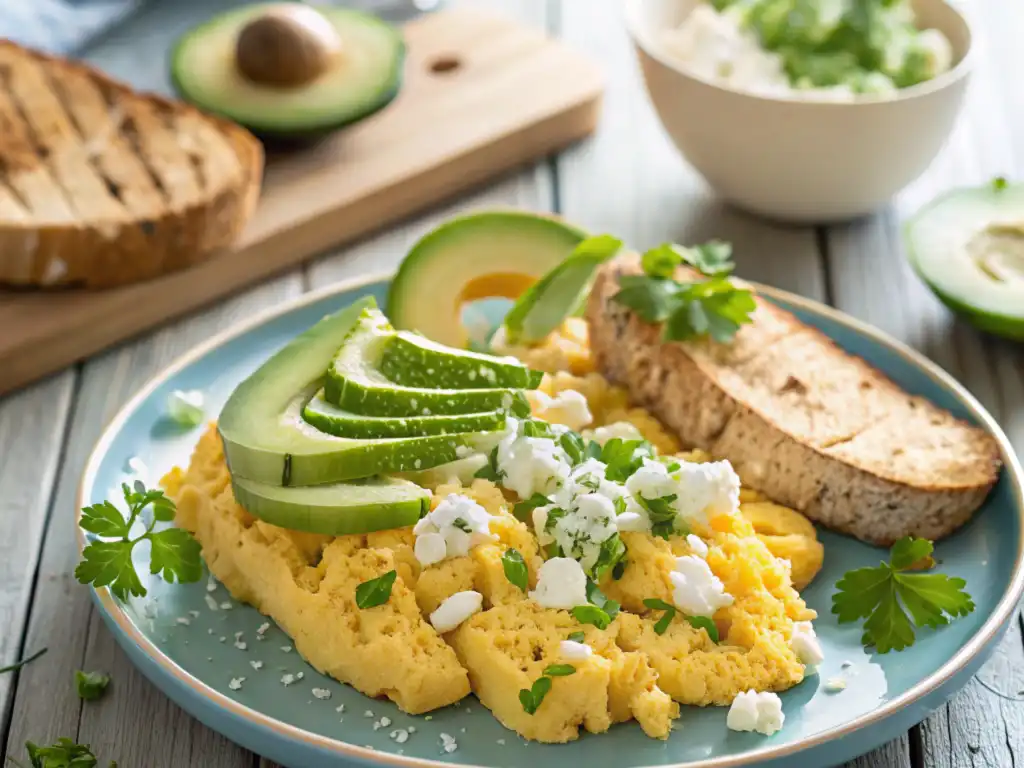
[{"x": 307, "y": 583}]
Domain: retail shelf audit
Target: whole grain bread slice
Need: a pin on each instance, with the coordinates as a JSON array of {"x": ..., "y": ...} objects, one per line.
[
  {"x": 808, "y": 424},
  {"x": 101, "y": 185}
]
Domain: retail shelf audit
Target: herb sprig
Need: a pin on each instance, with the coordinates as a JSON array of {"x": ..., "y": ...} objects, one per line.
[
  {"x": 19, "y": 664},
  {"x": 63, "y": 754},
  {"x": 601, "y": 611},
  {"x": 886, "y": 594},
  {"x": 91, "y": 685},
  {"x": 532, "y": 697},
  {"x": 711, "y": 305},
  {"x": 376, "y": 591},
  {"x": 174, "y": 553}
]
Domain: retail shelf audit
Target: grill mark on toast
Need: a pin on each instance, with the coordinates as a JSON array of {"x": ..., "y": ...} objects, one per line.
[
  {"x": 211, "y": 152},
  {"x": 100, "y": 125},
  {"x": 13, "y": 206},
  {"x": 29, "y": 179},
  {"x": 59, "y": 146},
  {"x": 146, "y": 126}
]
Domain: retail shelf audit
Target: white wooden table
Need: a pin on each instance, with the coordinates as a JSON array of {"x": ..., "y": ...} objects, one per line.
[{"x": 628, "y": 180}]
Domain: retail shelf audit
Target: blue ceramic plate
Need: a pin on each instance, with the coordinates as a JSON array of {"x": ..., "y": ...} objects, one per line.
[{"x": 193, "y": 640}]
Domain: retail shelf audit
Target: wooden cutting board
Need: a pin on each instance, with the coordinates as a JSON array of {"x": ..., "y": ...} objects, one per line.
[{"x": 482, "y": 94}]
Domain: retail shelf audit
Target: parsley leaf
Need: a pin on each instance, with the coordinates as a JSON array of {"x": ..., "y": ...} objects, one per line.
[
  {"x": 515, "y": 569},
  {"x": 532, "y": 697},
  {"x": 175, "y": 554},
  {"x": 376, "y": 591},
  {"x": 884, "y": 595},
  {"x": 709, "y": 306},
  {"x": 999, "y": 183},
  {"x": 490, "y": 471},
  {"x": 664, "y": 520},
  {"x": 577, "y": 637},
  {"x": 703, "y": 622},
  {"x": 536, "y": 428},
  {"x": 560, "y": 670},
  {"x": 624, "y": 457},
  {"x": 660, "y": 605},
  {"x": 91, "y": 685},
  {"x": 609, "y": 556},
  {"x": 523, "y": 509},
  {"x": 601, "y": 611},
  {"x": 574, "y": 446},
  {"x": 19, "y": 664},
  {"x": 64, "y": 754}
]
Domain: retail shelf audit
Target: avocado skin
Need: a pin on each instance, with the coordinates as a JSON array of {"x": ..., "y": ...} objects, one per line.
[
  {"x": 292, "y": 138},
  {"x": 998, "y": 325}
]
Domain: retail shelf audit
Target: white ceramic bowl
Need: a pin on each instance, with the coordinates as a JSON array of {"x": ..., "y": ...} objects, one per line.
[{"x": 792, "y": 159}]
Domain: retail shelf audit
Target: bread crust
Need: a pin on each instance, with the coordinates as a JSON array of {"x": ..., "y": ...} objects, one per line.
[
  {"x": 101, "y": 185},
  {"x": 808, "y": 424}
]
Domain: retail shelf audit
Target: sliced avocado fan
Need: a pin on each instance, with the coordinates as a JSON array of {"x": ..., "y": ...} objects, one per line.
[{"x": 968, "y": 246}]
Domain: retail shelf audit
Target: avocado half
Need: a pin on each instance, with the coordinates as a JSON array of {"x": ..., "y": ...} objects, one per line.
[
  {"x": 968, "y": 246},
  {"x": 363, "y": 78},
  {"x": 477, "y": 256}
]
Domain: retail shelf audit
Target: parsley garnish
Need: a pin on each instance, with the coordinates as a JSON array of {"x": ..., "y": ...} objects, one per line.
[
  {"x": 515, "y": 569},
  {"x": 64, "y": 754},
  {"x": 710, "y": 305},
  {"x": 703, "y": 622},
  {"x": 91, "y": 685},
  {"x": 19, "y": 664},
  {"x": 624, "y": 457},
  {"x": 523, "y": 509},
  {"x": 619, "y": 570},
  {"x": 885, "y": 594},
  {"x": 577, "y": 637},
  {"x": 601, "y": 611},
  {"x": 532, "y": 697},
  {"x": 536, "y": 428},
  {"x": 490, "y": 471},
  {"x": 376, "y": 591},
  {"x": 660, "y": 605},
  {"x": 999, "y": 183},
  {"x": 174, "y": 554},
  {"x": 574, "y": 446},
  {"x": 610, "y": 555},
  {"x": 661, "y": 513}
]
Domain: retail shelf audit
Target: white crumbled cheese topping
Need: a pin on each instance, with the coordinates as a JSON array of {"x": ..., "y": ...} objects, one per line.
[
  {"x": 400, "y": 735},
  {"x": 211, "y": 603},
  {"x": 561, "y": 583},
  {"x": 211, "y": 584},
  {"x": 584, "y": 527},
  {"x": 455, "y": 610},
  {"x": 623, "y": 430},
  {"x": 261, "y": 630},
  {"x": 448, "y": 743},
  {"x": 531, "y": 464},
  {"x": 256, "y": 664},
  {"x": 697, "y": 545},
  {"x": 287, "y": 679},
  {"x": 589, "y": 477},
  {"x": 236, "y": 683},
  {"x": 805, "y": 644},
  {"x": 700, "y": 490},
  {"x": 570, "y": 409},
  {"x": 696, "y": 591},
  {"x": 570, "y": 650},
  {"x": 835, "y": 685},
  {"x": 754, "y": 711},
  {"x": 457, "y": 525},
  {"x": 321, "y": 693},
  {"x": 385, "y": 721}
]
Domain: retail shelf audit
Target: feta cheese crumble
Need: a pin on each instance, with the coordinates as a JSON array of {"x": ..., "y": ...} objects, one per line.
[
  {"x": 531, "y": 464},
  {"x": 696, "y": 591},
  {"x": 561, "y": 584},
  {"x": 455, "y": 610},
  {"x": 452, "y": 529},
  {"x": 448, "y": 743},
  {"x": 694, "y": 492},
  {"x": 623, "y": 430},
  {"x": 236, "y": 683},
  {"x": 570, "y": 650},
  {"x": 322, "y": 693},
  {"x": 753, "y": 711},
  {"x": 697, "y": 545},
  {"x": 805, "y": 644},
  {"x": 568, "y": 408},
  {"x": 582, "y": 530}
]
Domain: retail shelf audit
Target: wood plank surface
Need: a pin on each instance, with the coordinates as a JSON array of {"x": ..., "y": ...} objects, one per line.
[{"x": 514, "y": 96}]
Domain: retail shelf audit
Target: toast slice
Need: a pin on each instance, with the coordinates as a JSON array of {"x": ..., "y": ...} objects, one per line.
[
  {"x": 101, "y": 185},
  {"x": 808, "y": 424}
]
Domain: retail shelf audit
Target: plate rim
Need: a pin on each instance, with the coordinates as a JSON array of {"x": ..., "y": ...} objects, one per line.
[{"x": 978, "y": 642}]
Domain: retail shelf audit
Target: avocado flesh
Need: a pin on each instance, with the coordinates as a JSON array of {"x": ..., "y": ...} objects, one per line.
[
  {"x": 472, "y": 257},
  {"x": 354, "y": 382},
  {"x": 339, "y": 509},
  {"x": 266, "y": 440},
  {"x": 365, "y": 78},
  {"x": 415, "y": 361},
  {"x": 968, "y": 246},
  {"x": 464, "y": 470},
  {"x": 335, "y": 421}
]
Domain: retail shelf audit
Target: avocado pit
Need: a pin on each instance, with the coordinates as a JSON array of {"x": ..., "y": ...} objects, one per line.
[
  {"x": 287, "y": 46},
  {"x": 998, "y": 250}
]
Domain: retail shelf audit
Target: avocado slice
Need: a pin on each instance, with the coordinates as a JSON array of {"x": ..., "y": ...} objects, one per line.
[
  {"x": 267, "y": 441},
  {"x": 968, "y": 246},
  {"x": 478, "y": 256},
  {"x": 355, "y": 383},
  {"x": 335, "y": 421},
  {"x": 415, "y": 361},
  {"x": 361, "y": 77},
  {"x": 464, "y": 470},
  {"x": 361, "y": 506}
]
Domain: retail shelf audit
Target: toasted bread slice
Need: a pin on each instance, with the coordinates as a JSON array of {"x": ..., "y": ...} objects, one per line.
[
  {"x": 102, "y": 186},
  {"x": 811, "y": 426}
]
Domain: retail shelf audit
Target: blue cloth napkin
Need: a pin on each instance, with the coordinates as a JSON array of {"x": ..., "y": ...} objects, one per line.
[{"x": 60, "y": 26}]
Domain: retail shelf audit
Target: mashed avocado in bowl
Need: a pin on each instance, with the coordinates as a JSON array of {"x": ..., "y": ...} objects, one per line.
[{"x": 817, "y": 49}]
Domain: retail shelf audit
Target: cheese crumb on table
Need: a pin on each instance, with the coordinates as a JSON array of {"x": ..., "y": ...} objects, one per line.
[
  {"x": 236, "y": 683},
  {"x": 455, "y": 610},
  {"x": 321, "y": 693},
  {"x": 753, "y": 711}
]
